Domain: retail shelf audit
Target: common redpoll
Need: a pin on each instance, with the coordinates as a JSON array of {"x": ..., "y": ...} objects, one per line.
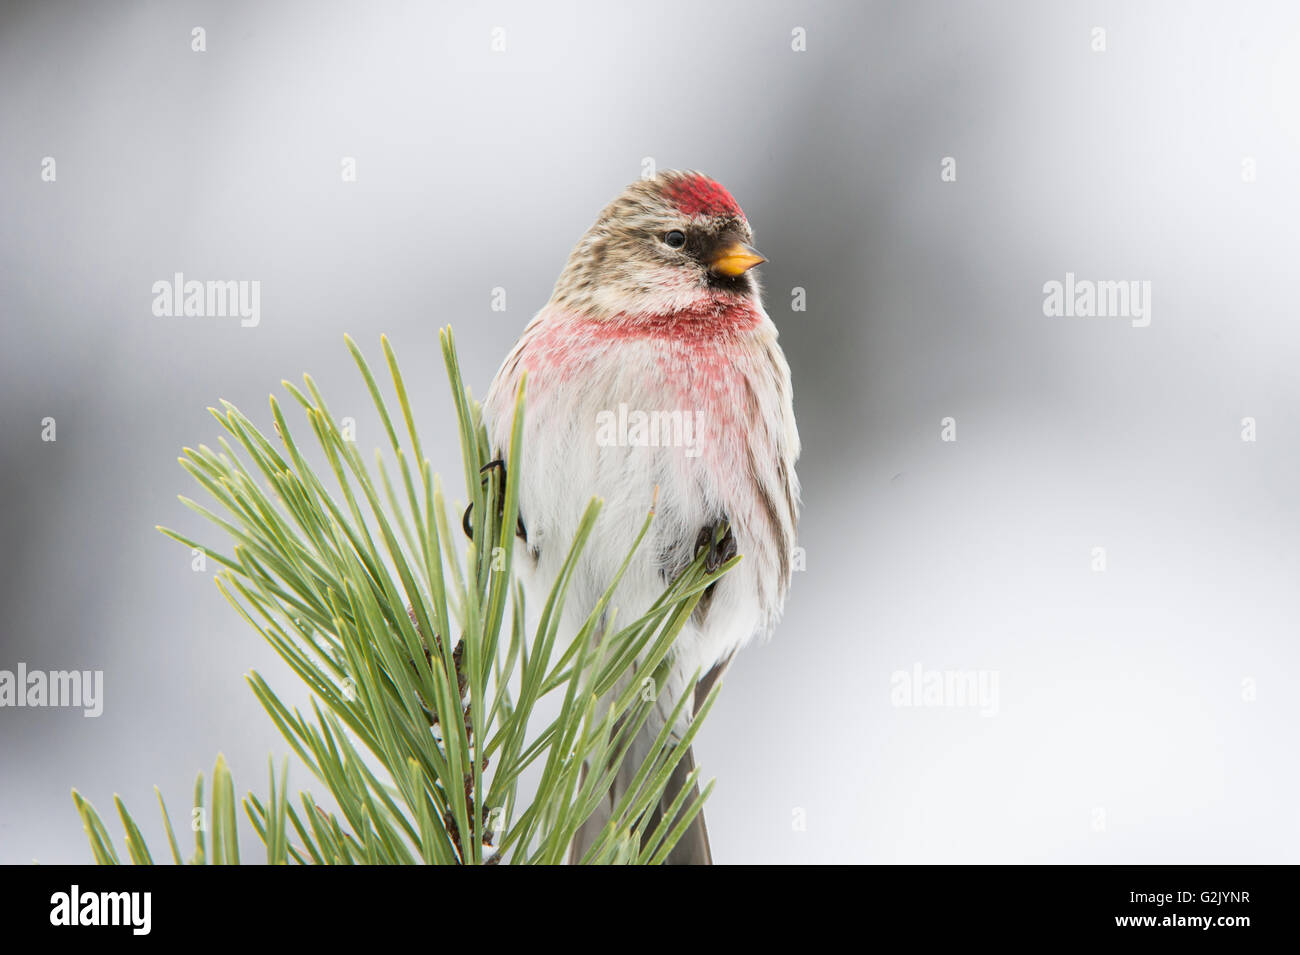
[{"x": 655, "y": 366}]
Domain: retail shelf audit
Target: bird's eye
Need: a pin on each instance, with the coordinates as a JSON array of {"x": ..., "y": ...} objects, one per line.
[{"x": 675, "y": 239}]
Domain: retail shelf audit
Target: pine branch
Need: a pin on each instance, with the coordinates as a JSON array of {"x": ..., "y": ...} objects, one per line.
[{"x": 426, "y": 688}]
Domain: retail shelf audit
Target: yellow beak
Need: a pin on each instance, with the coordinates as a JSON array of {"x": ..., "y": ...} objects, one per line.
[{"x": 736, "y": 259}]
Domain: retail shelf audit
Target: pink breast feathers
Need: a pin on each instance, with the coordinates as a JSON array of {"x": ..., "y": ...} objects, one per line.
[{"x": 701, "y": 362}]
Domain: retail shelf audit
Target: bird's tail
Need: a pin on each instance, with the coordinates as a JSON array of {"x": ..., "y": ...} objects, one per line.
[{"x": 692, "y": 848}]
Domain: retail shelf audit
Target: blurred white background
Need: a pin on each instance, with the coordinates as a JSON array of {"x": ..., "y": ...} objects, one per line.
[{"x": 1146, "y": 713}]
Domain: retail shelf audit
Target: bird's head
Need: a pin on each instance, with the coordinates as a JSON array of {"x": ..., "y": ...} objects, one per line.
[{"x": 675, "y": 242}]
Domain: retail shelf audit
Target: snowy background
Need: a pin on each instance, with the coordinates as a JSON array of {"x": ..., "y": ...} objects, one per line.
[{"x": 1146, "y": 712}]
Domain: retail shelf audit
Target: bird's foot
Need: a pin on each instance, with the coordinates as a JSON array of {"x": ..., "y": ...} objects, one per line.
[
  {"x": 465, "y": 524},
  {"x": 720, "y": 549}
]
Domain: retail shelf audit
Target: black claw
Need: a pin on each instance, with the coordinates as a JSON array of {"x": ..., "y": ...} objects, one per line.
[
  {"x": 719, "y": 551},
  {"x": 520, "y": 531},
  {"x": 465, "y": 524},
  {"x": 726, "y": 549}
]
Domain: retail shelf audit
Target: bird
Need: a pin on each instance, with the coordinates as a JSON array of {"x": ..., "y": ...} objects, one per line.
[{"x": 654, "y": 379}]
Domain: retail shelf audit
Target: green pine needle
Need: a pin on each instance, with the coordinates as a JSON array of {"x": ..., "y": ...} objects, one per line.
[{"x": 426, "y": 689}]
